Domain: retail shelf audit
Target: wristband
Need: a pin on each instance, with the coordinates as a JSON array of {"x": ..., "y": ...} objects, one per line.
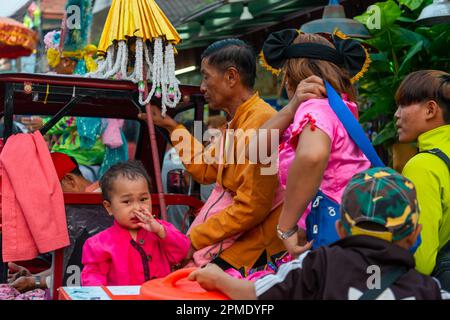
[
  {"x": 284, "y": 235},
  {"x": 37, "y": 282}
]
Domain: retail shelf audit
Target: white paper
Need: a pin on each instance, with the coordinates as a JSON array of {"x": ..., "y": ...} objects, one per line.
[
  {"x": 124, "y": 290},
  {"x": 86, "y": 293}
]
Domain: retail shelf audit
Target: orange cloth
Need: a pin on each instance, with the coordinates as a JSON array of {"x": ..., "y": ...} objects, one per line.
[{"x": 34, "y": 218}]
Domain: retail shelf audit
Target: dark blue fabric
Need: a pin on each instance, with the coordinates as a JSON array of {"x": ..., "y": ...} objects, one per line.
[{"x": 321, "y": 221}]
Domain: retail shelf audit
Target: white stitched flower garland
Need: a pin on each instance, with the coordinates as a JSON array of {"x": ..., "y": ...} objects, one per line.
[{"x": 157, "y": 64}]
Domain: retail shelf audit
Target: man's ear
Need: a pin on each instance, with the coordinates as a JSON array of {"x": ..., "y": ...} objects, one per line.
[
  {"x": 411, "y": 239},
  {"x": 107, "y": 206},
  {"x": 432, "y": 110},
  {"x": 342, "y": 233},
  {"x": 232, "y": 76},
  {"x": 68, "y": 183}
]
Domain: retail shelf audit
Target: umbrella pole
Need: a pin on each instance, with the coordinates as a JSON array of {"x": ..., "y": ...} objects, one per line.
[{"x": 155, "y": 157}]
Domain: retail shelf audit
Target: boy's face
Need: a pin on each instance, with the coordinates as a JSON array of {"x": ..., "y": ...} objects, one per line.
[
  {"x": 411, "y": 122},
  {"x": 127, "y": 197}
]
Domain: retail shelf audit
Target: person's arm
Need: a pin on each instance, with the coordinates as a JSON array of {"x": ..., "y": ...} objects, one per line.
[
  {"x": 304, "y": 178},
  {"x": 299, "y": 279},
  {"x": 29, "y": 282},
  {"x": 43, "y": 278},
  {"x": 250, "y": 206},
  {"x": 95, "y": 264},
  {"x": 175, "y": 245},
  {"x": 212, "y": 278},
  {"x": 193, "y": 155},
  {"x": 426, "y": 181},
  {"x": 287, "y": 284},
  {"x": 189, "y": 149},
  {"x": 16, "y": 271},
  {"x": 311, "y": 88}
]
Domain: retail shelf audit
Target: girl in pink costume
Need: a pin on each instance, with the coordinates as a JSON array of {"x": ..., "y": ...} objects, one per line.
[{"x": 316, "y": 154}]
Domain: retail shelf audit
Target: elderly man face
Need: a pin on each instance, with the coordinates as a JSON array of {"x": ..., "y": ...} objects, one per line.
[{"x": 215, "y": 86}]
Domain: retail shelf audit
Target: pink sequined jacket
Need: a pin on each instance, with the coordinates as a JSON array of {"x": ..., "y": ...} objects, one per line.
[{"x": 113, "y": 258}]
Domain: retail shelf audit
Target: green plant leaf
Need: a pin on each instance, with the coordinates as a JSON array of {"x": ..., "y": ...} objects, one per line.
[
  {"x": 411, "y": 53},
  {"x": 383, "y": 105},
  {"x": 405, "y": 19},
  {"x": 378, "y": 57},
  {"x": 389, "y": 132},
  {"x": 380, "y": 41},
  {"x": 390, "y": 12},
  {"x": 402, "y": 37},
  {"x": 411, "y": 4}
]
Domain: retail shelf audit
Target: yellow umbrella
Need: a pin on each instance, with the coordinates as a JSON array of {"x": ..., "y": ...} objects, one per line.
[
  {"x": 137, "y": 18},
  {"x": 144, "y": 24},
  {"x": 154, "y": 35}
]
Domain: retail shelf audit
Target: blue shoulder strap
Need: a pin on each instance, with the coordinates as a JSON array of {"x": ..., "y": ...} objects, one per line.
[{"x": 352, "y": 126}]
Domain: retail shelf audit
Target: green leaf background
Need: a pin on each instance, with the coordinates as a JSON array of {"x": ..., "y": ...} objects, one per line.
[{"x": 399, "y": 47}]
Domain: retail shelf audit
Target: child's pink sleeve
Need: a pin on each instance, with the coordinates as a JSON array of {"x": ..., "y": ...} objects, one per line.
[
  {"x": 175, "y": 245},
  {"x": 96, "y": 264}
]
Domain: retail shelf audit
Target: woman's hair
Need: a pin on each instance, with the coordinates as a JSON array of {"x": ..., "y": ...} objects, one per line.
[
  {"x": 132, "y": 170},
  {"x": 298, "y": 69},
  {"x": 425, "y": 85}
]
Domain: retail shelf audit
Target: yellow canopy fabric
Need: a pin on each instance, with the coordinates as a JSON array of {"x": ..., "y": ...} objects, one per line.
[{"x": 136, "y": 18}]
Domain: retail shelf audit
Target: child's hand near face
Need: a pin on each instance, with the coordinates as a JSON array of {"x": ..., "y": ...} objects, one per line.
[{"x": 149, "y": 223}]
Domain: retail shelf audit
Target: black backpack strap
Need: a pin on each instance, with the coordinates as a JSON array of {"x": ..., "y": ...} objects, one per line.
[
  {"x": 386, "y": 281},
  {"x": 438, "y": 152}
]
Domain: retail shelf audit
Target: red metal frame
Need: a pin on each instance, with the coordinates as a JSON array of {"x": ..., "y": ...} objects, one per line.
[
  {"x": 171, "y": 199},
  {"x": 81, "y": 82}
]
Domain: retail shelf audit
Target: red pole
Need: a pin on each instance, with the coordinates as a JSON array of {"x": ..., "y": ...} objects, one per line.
[
  {"x": 155, "y": 157},
  {"x": 58, "y": 272}
]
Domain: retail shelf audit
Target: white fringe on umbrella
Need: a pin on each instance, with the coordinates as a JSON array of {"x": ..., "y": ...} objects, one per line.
[{"x": 160, "y": 70}]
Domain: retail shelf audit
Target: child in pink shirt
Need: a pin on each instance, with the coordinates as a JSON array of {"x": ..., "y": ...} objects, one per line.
[
  {"x": 137, "y": 247},
  {"x": 317, "y": 157}
]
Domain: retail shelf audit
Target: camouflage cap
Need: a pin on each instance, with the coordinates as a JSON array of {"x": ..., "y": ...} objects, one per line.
[{"x": 381, "y": 196}]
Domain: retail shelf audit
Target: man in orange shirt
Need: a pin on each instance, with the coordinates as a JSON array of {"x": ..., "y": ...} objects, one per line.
[{"x": 229, "y": 71}]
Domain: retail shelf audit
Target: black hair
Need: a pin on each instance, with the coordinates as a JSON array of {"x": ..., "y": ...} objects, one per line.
[
  {"x": 132, "y": 170},
  {"x": 77, "y": 170},
  {"x": 426, "y": 85},
  {"x": 233, "y": 53}
]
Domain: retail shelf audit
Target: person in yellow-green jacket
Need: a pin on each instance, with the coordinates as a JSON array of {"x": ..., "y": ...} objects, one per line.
[{"x": 423, "y": 115}]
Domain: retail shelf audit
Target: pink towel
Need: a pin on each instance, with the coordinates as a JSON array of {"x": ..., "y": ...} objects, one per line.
[
  {"x": 33, "y": 214},
  {"x": 112, "y": 136}
]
